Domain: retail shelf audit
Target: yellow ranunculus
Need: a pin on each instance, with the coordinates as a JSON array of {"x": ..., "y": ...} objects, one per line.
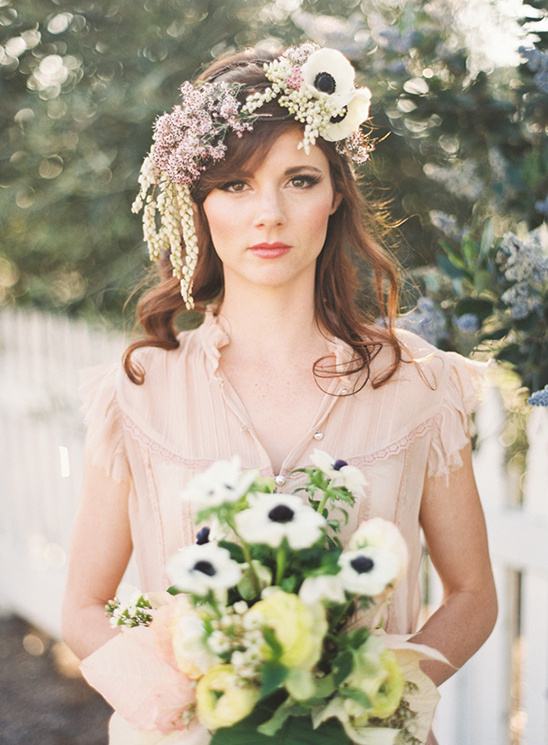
[
  {"x": 220, "y": 699},
  {"x": 299, "y": 628},
  {"x": 377, "y": 673}
]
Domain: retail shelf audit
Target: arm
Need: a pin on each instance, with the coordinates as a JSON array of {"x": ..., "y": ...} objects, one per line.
[
  {"x": 452, "y": 519},
  {"x": 100, "y": 551}
]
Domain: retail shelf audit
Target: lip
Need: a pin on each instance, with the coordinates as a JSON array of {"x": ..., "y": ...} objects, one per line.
[{"x": 270, "y": 250}]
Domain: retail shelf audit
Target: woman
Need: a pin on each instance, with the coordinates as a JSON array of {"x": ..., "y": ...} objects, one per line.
[{"x": 255, "y": 170}]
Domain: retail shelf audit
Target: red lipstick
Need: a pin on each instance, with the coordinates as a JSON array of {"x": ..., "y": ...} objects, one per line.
[{"x": 270, "y": 250}]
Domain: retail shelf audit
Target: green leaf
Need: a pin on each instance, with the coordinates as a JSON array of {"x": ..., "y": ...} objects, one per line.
[
  {"x": 297, "y": 730},
  {"x": 475, "y": 305},
  {"x": 487, "y": 238},
  {"x": 356, "y": 695},
  {"x": 272, "y": 641},
  {"x": 288, "y": 584},
  {"x": 273, "y": 675},
  {"x": 342, "y": 666},
  {"x": 235, "y": 551},
  {"x": 358, "y": 637},
  {"x": 483, "y": 280},
  {"x": 448, "y": 267},
  {"x": 281, "y": 715},
  {"x": 494, "y": 335},
  {"x": 453, "y": 257},
  {"x": 511, "y": 353},
  {"x": 470, "y": 250},
  {"x": 528, "y": 323}
]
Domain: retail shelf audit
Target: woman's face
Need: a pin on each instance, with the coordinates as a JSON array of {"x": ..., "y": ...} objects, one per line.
[{"x": 269, "y": 225}]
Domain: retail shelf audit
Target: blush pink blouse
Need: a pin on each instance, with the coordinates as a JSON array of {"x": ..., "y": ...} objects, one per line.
[{"x": 186, "y": 415}]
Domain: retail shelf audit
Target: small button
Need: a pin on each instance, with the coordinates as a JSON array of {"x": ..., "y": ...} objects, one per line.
[
  {"x": 344, "y": 391},
  {"x": 318, "y": 435},
  {"x": 280, "y": 480}
]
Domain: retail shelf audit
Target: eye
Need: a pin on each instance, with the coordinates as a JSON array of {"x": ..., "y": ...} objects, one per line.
[
  {"x": 304, "y": 181},
  {"x": 234, "y": 186}
]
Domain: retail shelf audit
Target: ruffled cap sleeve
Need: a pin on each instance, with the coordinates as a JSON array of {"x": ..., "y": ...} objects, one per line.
[
  {"x": 103, "y": 418},
  {"x": 465, "y": 382}
]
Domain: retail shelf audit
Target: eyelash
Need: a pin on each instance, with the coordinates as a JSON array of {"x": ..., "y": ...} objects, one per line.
[{"x": 308, "y": 179}]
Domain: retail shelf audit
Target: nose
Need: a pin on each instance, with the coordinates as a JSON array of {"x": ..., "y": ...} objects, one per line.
[{"x": 270, "y": 210}]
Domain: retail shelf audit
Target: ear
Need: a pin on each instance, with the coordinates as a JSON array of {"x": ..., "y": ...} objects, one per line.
[{"x": 337, "y": 199}]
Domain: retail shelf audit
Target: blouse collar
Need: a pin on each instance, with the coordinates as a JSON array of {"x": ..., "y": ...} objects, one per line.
[{"x": 214, "y": 335}]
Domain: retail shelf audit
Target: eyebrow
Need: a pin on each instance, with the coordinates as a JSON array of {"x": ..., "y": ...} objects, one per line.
[
  {"x": 298, "y": 169},
  {"x": 243, "y": 173}
]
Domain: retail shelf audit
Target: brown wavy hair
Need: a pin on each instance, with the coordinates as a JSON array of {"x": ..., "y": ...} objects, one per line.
[{"x": 343, "y": 308}]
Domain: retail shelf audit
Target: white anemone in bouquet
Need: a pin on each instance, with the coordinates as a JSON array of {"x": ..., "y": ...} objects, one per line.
[
  {"x": 383, "y": 534},
  {"x": 339, "y": 471},
  {"x": 273, "y": 517},
  {"x": 202, "y": 569},
  {"x": 368, "y": 571},
  {"x": 222, "y": 482}
]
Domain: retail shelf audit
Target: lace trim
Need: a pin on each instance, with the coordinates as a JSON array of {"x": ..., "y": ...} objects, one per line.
[
  {"x": 154, "y": 447},
  {"x": 396, "y": 447},
  {"x": 360, "y": 461}
]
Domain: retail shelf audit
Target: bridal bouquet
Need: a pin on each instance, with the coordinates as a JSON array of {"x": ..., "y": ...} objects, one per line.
[{"x": 271, "y": 631}]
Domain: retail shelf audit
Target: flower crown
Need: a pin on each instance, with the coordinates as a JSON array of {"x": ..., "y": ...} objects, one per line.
[{"x": 315, "y": 85}]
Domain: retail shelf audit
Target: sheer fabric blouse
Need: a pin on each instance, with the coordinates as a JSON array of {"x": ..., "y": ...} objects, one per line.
[{"x": 186, "y": 416}]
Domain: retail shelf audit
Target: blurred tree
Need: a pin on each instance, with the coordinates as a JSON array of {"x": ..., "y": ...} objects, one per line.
[{"x": 81, "y": 83}]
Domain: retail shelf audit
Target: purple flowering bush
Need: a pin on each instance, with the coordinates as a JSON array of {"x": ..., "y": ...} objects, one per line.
[{"x": 489, "y": 294}]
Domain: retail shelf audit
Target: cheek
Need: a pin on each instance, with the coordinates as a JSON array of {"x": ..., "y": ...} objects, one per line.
[
  {"x": 221, "y": 220},
  {"x": 315, "y": 217}
]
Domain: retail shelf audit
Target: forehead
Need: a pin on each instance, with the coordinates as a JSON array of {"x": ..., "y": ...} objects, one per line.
[{"x": 283, "y": 153}]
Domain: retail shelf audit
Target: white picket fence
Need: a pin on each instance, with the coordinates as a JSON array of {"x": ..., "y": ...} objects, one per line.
[{"x": 500, "y": 697}]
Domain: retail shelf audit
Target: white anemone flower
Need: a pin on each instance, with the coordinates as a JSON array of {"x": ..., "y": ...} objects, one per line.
[
  {"x": 324, "y": 588},
  {"x": 339, "y": 471},
  {"x": 354, "y": 113},
  {"x": 222, "y": 482},
  {"x": 201, "y": 569},
  {"x": 368, "y": 571},
  {"x": 381, "y": 534},
  {"x": 273, "y": 517},
  {"x": 327, "y": 72}
]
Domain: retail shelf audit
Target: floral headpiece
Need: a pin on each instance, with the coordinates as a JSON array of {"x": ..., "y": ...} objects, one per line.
[{"x": 315, "y": 85}]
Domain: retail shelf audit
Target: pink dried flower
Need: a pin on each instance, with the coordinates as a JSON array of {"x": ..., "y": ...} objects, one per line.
[{"x": 295, "y": 79}]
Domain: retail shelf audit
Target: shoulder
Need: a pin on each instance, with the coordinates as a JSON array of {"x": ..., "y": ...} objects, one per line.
[
  {"x": 428, "y": 379},
  {"x": 161, "y": 367}
]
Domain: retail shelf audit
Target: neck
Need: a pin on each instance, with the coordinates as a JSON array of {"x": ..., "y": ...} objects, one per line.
[{"x": 270, "y": 323}]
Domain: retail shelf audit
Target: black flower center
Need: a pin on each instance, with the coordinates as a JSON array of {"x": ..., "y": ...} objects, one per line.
[
  {"x": 202, "y": 536},
  {"x": 325, "y": 83},
  {"x": 362, "y": 564},
  {"x": 281, "y": 514},
  {"x": 205, "y": 567},
  {"x": 338, "y": 464},
  {"x": 339, "y": 117}
]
